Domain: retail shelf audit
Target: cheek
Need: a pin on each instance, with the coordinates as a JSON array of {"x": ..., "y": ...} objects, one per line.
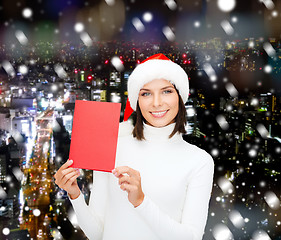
[
  {"x": 143, "y": 105},
  {"x": 174, "y": 103}
]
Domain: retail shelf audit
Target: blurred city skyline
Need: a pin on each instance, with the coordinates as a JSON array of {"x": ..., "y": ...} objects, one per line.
[{"x": 55, "y": 52}]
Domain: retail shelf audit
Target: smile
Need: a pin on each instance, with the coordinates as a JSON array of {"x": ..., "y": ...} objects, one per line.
[{"x": 159, "y": 114}]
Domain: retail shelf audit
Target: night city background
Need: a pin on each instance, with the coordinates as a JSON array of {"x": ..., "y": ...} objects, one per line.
[{"x": 54, "y": 52}]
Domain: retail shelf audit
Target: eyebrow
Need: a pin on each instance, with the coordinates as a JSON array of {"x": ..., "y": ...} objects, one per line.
[{"x": 145, "y": 89}]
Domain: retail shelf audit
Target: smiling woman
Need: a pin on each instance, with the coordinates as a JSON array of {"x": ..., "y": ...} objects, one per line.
[
  {"x": 159, "y": 103},
  {"x": 161, "y": 185}
]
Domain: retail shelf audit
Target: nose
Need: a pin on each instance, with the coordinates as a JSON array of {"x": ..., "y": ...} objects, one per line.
[{"x": 157, "y": 100}]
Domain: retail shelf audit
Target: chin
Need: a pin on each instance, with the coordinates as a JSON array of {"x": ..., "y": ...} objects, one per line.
[{"x": 158, "y": 124}]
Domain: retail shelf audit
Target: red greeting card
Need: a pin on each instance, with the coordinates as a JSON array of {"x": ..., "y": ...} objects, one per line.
[{"x": 94, "y": 135}]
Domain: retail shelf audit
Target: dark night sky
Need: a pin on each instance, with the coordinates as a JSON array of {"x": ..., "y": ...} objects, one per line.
[
  {"x": 254, "y": 19},
  {"x": 54, "y": 20}
]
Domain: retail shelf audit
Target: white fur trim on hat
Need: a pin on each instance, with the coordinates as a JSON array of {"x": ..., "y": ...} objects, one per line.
[{"x": 157, "y": 69}]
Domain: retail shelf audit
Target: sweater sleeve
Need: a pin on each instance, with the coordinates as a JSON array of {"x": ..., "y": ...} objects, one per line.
[
  {"x": 194, "y": 213},
  {"x": 91, "y": 217}
]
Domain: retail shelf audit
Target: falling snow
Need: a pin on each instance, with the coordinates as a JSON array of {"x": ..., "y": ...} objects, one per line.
[
  {"x": 147, "y": 17},
  {"x": 117, "y": 63},
  {"x": 169, "y": 33},
  {"x": 79, "y": 27},
  {"x": 60, "y": 71},
  {"x": 272, "y": 200},
  {"x": 222, "y": 232},
  {"x": 267, "y": 69},
  {"x": 231, "y": 90},
  {"x": 236, "y": 219},
  {"x": 262, "y": 130},
  {"x": 197, "y": 24},
  {"x": 260, "y": 235},
  {"x": 227, "y": 27},
  {"x": 8, "y": 67},
  {"x": 21, "y": 37},
  {"x": 269, "y": 49},
  {"x": 110, "y": 2},
  {"x": 225, "y": 185},
  {"x": 245, "y": 146},
  {"x": 210, "y": 72},
  {"x": 172, "y": 5},
  {"x": 36, "y": 212},
  {"x": 138, "y": 24},
  {"x": 226, "y": 5},
  {"x": 23, "y": 69},
  {"x": 86, "y": 39},
  {"x": 222, "y": 122},
  {"x": 269, "y": 4},
  {"x": 27, "y": 13}
]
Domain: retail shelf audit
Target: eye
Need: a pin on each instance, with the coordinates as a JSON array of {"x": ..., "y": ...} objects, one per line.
[
  {"x": 168, "y": 91},
  {"x": 144, "y": 94}
]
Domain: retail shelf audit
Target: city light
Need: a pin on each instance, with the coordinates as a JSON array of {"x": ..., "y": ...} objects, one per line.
[{"x": 233, "y": 110}]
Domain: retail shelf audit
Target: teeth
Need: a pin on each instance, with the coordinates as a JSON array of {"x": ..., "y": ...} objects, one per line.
[{"x": 159, "y": 113}]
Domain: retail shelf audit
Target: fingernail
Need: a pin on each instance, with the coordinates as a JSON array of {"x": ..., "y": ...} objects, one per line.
[
  {"x": 114, "y": 172},
  {"x": 70, "y": 161}
]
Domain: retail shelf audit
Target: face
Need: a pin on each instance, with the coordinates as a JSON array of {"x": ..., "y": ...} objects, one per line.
[{"x": 159, "y": 103}]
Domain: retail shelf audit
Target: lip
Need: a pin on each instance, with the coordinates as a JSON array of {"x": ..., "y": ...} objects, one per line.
[{"x": 159, "y": 115}]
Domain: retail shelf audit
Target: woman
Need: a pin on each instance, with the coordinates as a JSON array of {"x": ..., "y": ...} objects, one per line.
[{"x": 161, "y": 186}]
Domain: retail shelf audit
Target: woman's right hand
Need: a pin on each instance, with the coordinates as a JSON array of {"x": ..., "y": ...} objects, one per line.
[{"x": 66, "y": 179}]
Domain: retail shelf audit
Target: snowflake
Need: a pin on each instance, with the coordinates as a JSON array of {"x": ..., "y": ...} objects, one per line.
[
  {"x": 79, "y": 27},
  {"x": 6, "y": 231},
  {"x": 36, "y": 212},
  {"x": 226, "y": 26},
  {"x": 117, "y": 63},
  {"x": 167, "y": 31},
  {"x": 147, "y": 17},
  {"x": 27, "y": 13},
  {"x": 138, "y": 24},
  {"x": 226, "y": 5}
]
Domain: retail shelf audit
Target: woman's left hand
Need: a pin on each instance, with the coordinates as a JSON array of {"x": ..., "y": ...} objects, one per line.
[{"x": 130, "y": 181}]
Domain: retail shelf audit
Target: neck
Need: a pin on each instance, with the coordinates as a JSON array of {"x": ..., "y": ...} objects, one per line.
[{"x": 152, "y": 133}]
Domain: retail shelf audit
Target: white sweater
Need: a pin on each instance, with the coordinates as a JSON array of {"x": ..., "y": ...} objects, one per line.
[{"x": 176, "y": 179}]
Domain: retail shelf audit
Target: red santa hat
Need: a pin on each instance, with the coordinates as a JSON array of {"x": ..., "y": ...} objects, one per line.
[{"x": 157, "y": 66}]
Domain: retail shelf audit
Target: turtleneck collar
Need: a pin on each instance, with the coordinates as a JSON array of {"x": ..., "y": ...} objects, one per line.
[{"x": 160, "y": 133}]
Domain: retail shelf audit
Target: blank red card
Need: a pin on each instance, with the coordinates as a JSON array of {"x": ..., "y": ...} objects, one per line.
[{"x": 94, "y": 135}]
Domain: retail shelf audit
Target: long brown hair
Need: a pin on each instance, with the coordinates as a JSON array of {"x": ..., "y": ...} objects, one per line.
[{"x": 180, "y": 121}]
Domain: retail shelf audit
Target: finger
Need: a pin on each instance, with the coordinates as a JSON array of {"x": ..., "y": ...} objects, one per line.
[
  {"x": 125, "y": 179},
  {"x": 120, "y": 170},
  {"x": 67, "y": 177},
  {"x": 68, "y": 170},
  {"x": 128, "y": 187},
  {"x": 71, "y": 180},
  {"x": 66, "y": 164},
  {"x": 125, "y": 170},
  {"x": 61, "y": 173}
]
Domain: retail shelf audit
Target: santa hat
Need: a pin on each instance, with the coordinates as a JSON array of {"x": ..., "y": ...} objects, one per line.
[{"x": 157, "y": 66}]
